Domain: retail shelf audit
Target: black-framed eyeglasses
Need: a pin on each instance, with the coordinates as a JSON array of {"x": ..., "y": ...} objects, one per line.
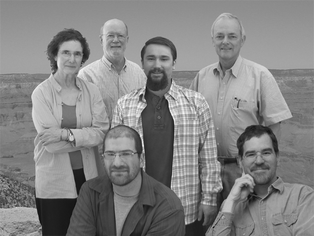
[{"x": 122, "y": 154}]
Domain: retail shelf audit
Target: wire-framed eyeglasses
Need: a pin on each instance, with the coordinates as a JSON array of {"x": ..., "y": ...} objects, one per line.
[{"x": 123, "y": 154}]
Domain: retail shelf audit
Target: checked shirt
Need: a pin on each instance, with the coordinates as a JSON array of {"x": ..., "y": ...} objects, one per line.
[{"x": 195, "y": 169}]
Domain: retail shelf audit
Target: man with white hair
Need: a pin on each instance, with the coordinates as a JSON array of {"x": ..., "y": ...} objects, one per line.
[
  {"x": 113, "y": 74},
  {"x": 239, "y": 93}
]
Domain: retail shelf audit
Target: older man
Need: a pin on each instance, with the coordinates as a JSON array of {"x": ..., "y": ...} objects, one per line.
[
  {"x": 113, "y": 74},
  {"x": 178, "y": 132},
  {"x": 239, "y": 93},
  {"x": 260, "y": 203},
  {"x": 126, "y": 201}
]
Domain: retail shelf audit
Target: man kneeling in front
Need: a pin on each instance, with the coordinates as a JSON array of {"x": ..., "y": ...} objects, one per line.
[
  {"x": 260, "y": 203},
  {"x": 126, "y": 201}
]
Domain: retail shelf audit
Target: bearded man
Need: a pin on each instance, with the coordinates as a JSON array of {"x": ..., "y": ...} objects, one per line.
[{"x": 177, "y": 130}]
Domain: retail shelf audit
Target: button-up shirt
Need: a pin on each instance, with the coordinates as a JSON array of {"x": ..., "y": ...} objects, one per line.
[
  {"x": 54, "y": 175},
  {"x": 287, "y": 210},
  {"x": 113, "y": 85},
  {"x": 246, "y": 95},
  {"x": 195, "y": 169}
]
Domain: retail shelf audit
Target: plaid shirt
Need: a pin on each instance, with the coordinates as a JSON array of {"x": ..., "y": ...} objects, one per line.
[{"x": 195, "y": 169}]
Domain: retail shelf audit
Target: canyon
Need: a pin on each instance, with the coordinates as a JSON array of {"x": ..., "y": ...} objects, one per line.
[{"x": 17, "y": 131}]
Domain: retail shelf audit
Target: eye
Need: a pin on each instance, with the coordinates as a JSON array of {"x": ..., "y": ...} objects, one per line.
[
  {"x": 125, "y": 154},
  {"x": 250, "y": 155},
  {"x": 78, "y": 54},
  {"x": 65, "y": 52},
  {"x": 110, "y": 154},
  {"x": 267, "y": 153}
]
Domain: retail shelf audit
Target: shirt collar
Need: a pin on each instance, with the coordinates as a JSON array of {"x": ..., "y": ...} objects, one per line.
[
  {"x": 276, "y": 186},
  {"x": 110, "y": 65},
  {"x": 172, "y": 93},
  {"x": 57, "y": 86},
  {"x": 234, "y": 69}
]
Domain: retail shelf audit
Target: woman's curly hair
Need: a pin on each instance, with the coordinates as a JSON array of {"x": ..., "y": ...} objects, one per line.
[{"x": 64, "y": 36}]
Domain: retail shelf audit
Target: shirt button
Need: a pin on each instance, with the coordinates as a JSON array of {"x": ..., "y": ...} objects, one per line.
[
  {"x": 158, "y": 117},
  {"x": 218, "y": 113},
  {"x": 158, "y": 108},
  {"x": 217, "y": 128},
  {"x": 217, "y": 144}
]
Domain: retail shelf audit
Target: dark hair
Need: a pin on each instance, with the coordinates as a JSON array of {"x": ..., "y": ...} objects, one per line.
[
  {"x": 256, "y": 131},
  {"x": 125, "y": 131},
  {"x": 64, "y": 36},
  {"x": 160, "y": 41}
]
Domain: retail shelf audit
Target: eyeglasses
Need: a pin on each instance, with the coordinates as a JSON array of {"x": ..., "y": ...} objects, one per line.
[
  {"x": 123, "y": 154},
  {"x": 251, "y": 156},
  {"x": 68, "y": 54},
  {"x": 120, "y": 37}
]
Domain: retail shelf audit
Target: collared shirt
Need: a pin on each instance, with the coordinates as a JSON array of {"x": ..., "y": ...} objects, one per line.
[
  {"x": 113, "y": 85},
  {"x": 158, "y": 134},
  {"x": 54, "y": 175},
  {"x": 195, "y": 169},
  {"x": 158, "y": 210},
  {"x": 247, "y": 95},
  {"x": 287, "y": 210}
]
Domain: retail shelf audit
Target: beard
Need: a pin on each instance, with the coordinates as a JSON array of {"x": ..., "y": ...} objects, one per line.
[
  {"x": 156, "y": 85},
  {"x": 122, "y": 178},
  {"x": 266, "y": 176}
]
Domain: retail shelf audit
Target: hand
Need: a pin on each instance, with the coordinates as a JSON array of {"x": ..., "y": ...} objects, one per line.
[
  {"x": 209, "y": 212},
  {"x": 50, "y": 135},
  {"x": 242, "y": 187}
]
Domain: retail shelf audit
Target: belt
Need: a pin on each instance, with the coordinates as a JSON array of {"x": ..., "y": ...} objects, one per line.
[{"x": 226, "y": 160}]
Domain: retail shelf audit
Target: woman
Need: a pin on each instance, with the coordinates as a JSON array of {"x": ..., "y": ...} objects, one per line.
[{"x": 70, "y": 118}]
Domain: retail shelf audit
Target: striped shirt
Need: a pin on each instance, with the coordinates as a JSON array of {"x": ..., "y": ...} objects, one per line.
[
  {"x": 113, "y": 85},
  {"x": 195, "y": 169}
]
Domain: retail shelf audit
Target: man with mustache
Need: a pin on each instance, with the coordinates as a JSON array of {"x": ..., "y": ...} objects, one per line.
[
  {"x": 178, "y": 134},
  {"x": 113, "y": 74},
  {"x": 239, "y": 93},
  {"x": 126, "y": 201},
  {"x": 260, "y": 203}
]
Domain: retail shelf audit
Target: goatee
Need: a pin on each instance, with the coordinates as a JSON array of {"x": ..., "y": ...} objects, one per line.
[{"x": 156, "y": 85}]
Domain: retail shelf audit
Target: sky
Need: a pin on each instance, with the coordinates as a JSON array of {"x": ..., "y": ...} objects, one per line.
[{"x": 280, "y": 34}]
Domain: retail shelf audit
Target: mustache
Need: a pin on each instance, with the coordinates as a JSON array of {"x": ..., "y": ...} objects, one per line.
[
  {"x": 156, "y": 70},
  {"x": 261, "y": 167}
]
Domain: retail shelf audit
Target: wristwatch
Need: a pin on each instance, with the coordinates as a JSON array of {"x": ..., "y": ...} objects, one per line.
[{"x": 70, "y": 136}]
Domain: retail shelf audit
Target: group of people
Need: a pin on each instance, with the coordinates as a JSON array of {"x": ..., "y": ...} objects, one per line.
[{"x": 174, "y": 161}]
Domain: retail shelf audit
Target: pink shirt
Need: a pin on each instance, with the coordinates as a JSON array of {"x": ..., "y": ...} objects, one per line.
[{"x": 248, "y": 94}]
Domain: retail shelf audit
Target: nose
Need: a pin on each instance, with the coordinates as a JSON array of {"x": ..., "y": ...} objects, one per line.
[
  {"x": 225, "y": 40},
  {"x": 117, "y": 160},
  {"x": 72, "y": 57},
  {"x": 157, "y": 63},
  {"x": 115, "y": 39},
  {"x": 259, "y": 158}
]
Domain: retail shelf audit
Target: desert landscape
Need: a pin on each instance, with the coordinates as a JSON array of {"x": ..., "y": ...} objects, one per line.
[
  {"x": 17, "y": 132},
  {"x": 296, "y": 147}
]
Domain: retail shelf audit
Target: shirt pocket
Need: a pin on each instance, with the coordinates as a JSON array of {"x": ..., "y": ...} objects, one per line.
[
  {"x": 244, "y": 230},
  {"x": 283, "y": 223}
]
